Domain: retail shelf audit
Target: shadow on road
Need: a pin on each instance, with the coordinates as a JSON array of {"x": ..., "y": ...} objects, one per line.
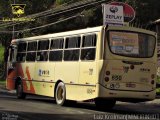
[
  {"x": 88, "y": 108},
  {"x": 10, "y": 115},
  {"x": 129, "y": 108}
]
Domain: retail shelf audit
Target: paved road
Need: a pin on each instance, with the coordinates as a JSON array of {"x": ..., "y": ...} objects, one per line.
[{"x": 40, "y": 108}]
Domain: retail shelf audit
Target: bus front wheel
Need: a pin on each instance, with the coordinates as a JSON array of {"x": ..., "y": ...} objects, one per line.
[
  {"x": 19, "y": 91},
  {"x": 60, "y": 94},
  {"x": 105, "y": 104}
]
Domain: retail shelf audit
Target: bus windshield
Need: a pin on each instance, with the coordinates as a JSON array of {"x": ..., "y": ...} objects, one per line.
[{"x": 131, "y": 44}]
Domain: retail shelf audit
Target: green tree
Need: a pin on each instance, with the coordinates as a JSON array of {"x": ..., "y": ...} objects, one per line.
[
  {"x": 146, "y": 10},
  {"x": 59, "y": 2}
]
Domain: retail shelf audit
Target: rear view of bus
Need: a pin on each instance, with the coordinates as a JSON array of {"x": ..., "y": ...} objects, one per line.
[{"x": 129, "y": 67}]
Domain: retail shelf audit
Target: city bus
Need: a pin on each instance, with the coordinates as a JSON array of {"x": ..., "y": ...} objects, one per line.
[
  {"x": 155, "y": 26},
  {"x": 104, "y": 64}
]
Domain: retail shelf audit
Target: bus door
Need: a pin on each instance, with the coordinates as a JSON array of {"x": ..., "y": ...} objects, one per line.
[{"x": 11, "y": 68}]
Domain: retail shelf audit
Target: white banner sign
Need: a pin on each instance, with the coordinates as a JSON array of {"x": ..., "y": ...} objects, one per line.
[{"x": 113, "y": 14}]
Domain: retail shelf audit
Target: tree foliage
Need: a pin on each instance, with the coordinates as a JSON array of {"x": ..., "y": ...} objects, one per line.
[
  {"x": 146, "y": 11},
  {"x": 59, "y": 2}
]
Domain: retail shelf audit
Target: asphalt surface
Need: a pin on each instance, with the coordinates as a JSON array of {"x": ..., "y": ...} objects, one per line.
[{"x": 43, "y": 108}]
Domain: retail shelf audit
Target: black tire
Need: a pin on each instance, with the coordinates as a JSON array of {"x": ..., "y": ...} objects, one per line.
[
  {"x": 19, "y": 91},
  {"x": 60, "y": 94},
  {"x": 105, "y": 104}
]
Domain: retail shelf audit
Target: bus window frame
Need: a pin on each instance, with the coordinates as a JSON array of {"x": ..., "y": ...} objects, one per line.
[
  {"x": 31, "y": 51},
  {"x": 42, "y": 53},
  {"x": 66, "y": 49},
  {"x": 83, "y": 48},
  {"x": 56, "y": 49}
]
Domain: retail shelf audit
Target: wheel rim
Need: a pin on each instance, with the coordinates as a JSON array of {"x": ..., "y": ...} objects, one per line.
[{"x": 60, "y": 95}]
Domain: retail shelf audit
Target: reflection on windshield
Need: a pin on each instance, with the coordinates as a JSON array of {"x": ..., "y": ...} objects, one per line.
[{"x": 132, "y": 44}]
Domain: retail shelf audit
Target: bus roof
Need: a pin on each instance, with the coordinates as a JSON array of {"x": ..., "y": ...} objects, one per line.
[
  {"x": 60, "y": 34},
  {"x": 81, "y": 31}
]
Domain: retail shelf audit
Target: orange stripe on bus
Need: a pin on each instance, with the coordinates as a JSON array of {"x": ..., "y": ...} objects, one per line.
[
  {"x": 21, "y": 74},
  {"x": 32, "y": 90}
]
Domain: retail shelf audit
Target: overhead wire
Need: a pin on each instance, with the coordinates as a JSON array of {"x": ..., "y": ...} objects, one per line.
[
  {"x": 32, "y": 16},
  {"x": 42, "y": 14},
  {"x": 60, "y": 12},
  {"x": 57, "y": 21},
  {"x": 46, "y": 25}
]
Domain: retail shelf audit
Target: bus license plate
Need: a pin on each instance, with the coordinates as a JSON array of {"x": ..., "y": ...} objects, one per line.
[{"x": 130, "y": 85}]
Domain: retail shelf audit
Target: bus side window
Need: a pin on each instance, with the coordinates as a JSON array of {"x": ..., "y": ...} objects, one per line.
[
  {"x": 88, "y": 54},
  {"x": 22, "y": 47},
  {"x": 21, "y": 52},
  {"x": 57, "y": 44},
  {"x": 56, "y": 49},
  {"x": 31, "y": 51},
  {"x": 43, "y": 45},
  {"x": 42, "y": 53},
  {"x": 88, "y": 50},
  {"x": 21, "y": 57},
  {"x": 71, "y": 55},
  {"x": 42, "y": 56},
  {"x": 72, "y": 48},
  {"x": 31, "y": 56}
]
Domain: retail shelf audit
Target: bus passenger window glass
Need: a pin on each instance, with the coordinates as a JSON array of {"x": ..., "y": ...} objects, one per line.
[
  {"x": 43, "y": 45},
  {"x": 22, "y": 47},
  {"x": 57, "y": 44},
  {"x": 71, "y": 55},
  {"x": 88, "y": 54},
  {"x": 132, "y": 44},
  {"x": 31, "y": 56},
  {"x": 73, "y": 42},
  {"x": 21, "y": 57},
  {"x": 32, "y": 46},
  {"x": 55, "y": 55},
  {"x": 88, "y": 50},
  {"x": 42, "y": 56},
  {"x": 89, "y": 40}
]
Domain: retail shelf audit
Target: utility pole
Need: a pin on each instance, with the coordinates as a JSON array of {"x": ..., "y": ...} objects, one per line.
[{"x": 13, "y": 35}]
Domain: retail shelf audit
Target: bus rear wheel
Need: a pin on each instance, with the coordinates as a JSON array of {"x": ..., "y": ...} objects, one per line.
[
  {"x": 105, "y": 104},
  {"x": 60, "y": 94},
  {"x": 19, "y": 91}
]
